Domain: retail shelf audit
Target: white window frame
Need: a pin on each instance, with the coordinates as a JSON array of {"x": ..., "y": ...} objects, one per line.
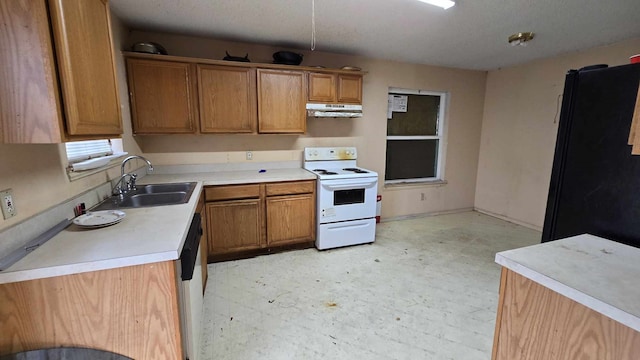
[
  {"x": 444, "y": 98},
  {"x": 84, "y": 164}
]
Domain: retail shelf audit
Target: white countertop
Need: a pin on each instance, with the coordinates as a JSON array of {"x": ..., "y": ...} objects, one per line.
[
  {"x": 235, "y": 177},
  {"x": 145, "y": 235},
  {"x": 597, "y": 273}
]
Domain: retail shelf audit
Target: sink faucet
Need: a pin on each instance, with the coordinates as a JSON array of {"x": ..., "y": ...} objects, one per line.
[
  {"x": 124, "y": 162},
  {"x": 118, "y": 189}
]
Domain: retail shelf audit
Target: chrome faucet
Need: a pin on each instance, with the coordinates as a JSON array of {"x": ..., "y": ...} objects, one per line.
[
  {"x": 124, "y": 162},
  {"x": 118, "y": 189}
]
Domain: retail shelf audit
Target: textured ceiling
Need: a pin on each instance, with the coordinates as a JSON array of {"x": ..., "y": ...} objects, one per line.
[{"x": 472, "y": 35}]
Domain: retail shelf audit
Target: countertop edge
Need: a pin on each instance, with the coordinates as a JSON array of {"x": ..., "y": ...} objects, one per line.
[
  {"x": 580, "y": 297},
  {"x": 202, "y": 179},
  {"x": 79, "y": 268}
]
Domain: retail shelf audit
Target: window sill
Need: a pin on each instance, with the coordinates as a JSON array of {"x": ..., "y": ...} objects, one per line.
[
  {"x": 404, "y": 185},
  {"x": 113, "y": 162}
]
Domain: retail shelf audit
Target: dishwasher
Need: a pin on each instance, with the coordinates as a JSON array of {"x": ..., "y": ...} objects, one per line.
[{"x": 191, "y": 297}]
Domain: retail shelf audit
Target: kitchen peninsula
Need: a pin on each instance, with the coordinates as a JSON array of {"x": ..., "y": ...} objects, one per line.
[
  {"x": 575, "y": 298},
  {"x": 114, "y": 288}
]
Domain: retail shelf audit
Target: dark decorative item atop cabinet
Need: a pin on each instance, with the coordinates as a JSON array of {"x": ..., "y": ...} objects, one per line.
[{"x": 236, "y": 58}]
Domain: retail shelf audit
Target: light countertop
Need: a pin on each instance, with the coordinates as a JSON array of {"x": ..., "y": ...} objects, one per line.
[
  {"x": 145, "y": 235},
  {"x": 597, "y": 273}
]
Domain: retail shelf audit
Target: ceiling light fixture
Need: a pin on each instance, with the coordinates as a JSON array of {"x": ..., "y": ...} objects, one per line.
[
  {"x": 521, "y": 38},
  {"x": 445, "y": 4}
]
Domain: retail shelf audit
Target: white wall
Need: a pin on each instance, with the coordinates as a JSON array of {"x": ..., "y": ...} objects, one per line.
[{"x": 519, "y": 131}]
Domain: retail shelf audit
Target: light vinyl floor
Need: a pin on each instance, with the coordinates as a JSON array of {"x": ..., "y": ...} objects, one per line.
[{"x": 426, "y": 289}]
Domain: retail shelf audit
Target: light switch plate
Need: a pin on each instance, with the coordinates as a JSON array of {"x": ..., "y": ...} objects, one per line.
[{"x": 7, "y": 203}]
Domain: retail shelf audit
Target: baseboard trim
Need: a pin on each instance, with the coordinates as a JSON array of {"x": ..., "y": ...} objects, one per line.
[
  {"x": 511, "y": 220},
  {"x": 421, "y": 215}
]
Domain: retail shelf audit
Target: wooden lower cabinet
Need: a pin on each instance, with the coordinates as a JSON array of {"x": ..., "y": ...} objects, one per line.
[
  {"x": 245, "y": 218},
  {"x": 132, "y": 311},
  {"x": 290, "y": 219},
  {"x": 535, "y": 322},
  {"x": 234, "y": 225}
]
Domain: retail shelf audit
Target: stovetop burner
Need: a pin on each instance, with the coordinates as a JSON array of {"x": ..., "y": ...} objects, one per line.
[
  {"x": 356, "y": 170},
  {"x": 325, "y": 172}
]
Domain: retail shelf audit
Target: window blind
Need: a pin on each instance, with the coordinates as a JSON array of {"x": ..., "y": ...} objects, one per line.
[{"x": 83, "y": 150}]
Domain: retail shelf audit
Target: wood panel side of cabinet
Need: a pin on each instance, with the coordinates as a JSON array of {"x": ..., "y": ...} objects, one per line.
[
  {"x": 634, "y": 133},
  {"x": 538, "y": 323},
  {"x": 234, "y": 225},
  {"x": 163, "y": 99},
  {"x": 350, "y": 89},
  {"x": 290, "y": 219},
  {"x": 131, "y": 311},
  {"x": 86, "y": 62},
  {"x": 322, "y": 88},
  {"x": 501, "y": 292},
  {"x": 30, "y": 107},
  {"x": 281, "y": 101},
  {"x": 228, "y": 102}
]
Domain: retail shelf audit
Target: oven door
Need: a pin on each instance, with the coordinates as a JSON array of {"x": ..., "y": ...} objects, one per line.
[{"x": 347, "y": 199}]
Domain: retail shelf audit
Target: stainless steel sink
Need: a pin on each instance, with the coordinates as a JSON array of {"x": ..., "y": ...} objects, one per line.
[
  {"x": 150, "y": 195},
  {"x": 166, "y": 188}
]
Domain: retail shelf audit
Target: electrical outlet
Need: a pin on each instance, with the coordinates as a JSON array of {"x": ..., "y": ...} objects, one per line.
[
  {"x": 249, "y": 155},
  {"x": 8, "y": 205}
]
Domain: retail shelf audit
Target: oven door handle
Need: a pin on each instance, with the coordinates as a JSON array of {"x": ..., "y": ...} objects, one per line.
[{"x": 349, "y": 186}]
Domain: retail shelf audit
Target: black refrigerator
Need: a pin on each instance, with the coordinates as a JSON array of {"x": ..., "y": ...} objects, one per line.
[{"x": 595, "y": 181}]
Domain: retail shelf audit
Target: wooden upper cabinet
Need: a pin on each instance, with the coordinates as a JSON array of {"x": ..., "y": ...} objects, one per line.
[
  {"x": 322, "y": 88},
  {"x": 163, "y": 99},
  {"x": 349, "y": 89},
  {"x": 82, "y": 34},
  {"x": 227, "y": 99},
  {"x": 281, "y": 101},
  {"x": 31, "y": 109},
  {"x": 334, "y": 88}
]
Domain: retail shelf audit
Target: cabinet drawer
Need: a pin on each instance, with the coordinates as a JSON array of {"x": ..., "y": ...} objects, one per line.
[
  {"x": 213, "y": 193},
  {"x": 289, "y": 188}
]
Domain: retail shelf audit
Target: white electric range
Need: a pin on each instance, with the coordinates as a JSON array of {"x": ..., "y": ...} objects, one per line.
[{"x": 346, "y": 197}]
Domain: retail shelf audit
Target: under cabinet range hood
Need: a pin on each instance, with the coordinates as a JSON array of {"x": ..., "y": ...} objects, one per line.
[{"x": 334, "y": 110}]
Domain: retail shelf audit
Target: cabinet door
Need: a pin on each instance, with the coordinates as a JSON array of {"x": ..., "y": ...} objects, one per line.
[
  {"x": 290, "y": 219},
  {"x": 322, "y": 88},
  {"x": 350, "y": 89},
  {"x": 234, "y": 225},
  {"x": 281, "y": 101},
  {"x": 227, "y": 99},
  {"x": 29, "y": 101},
  {"x": 162, "y": 96},
  {"x": 82, "y": 35}
]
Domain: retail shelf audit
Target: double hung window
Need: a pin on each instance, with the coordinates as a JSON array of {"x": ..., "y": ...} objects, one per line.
[{"x": 415, "y": 136}]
